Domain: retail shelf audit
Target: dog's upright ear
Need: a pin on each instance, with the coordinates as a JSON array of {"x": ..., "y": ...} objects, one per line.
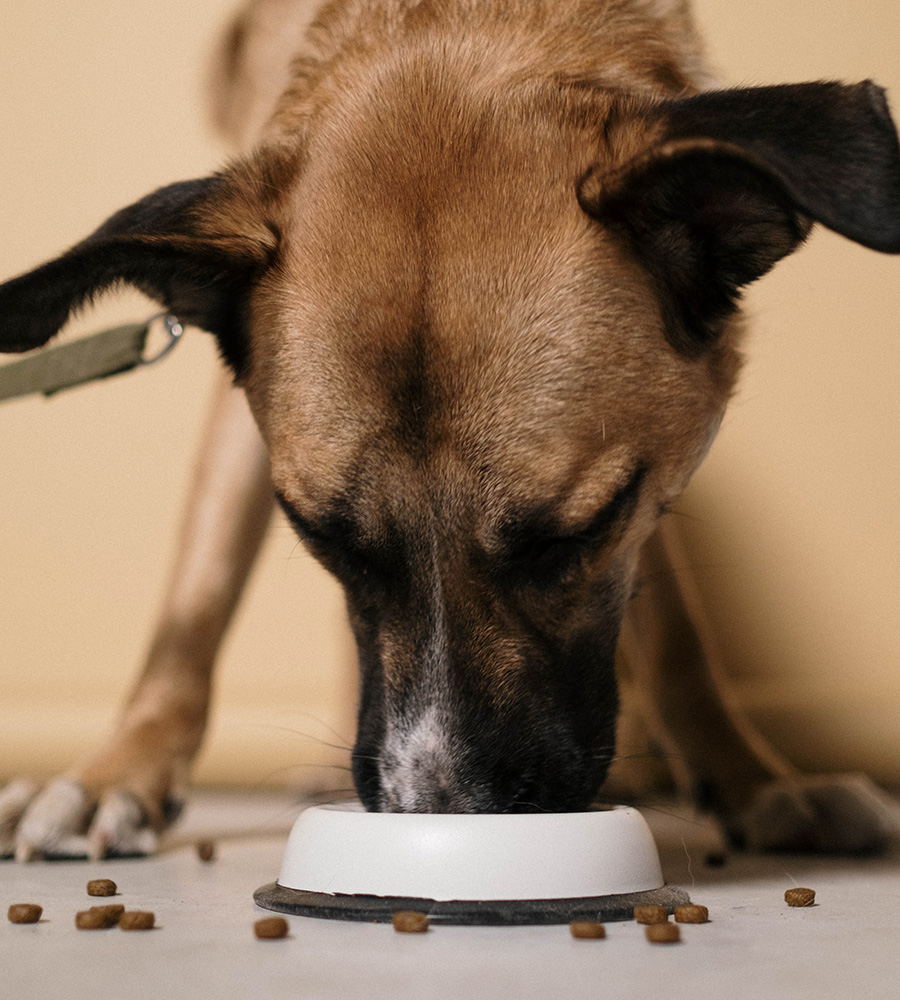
[
  {"x": 195, "y": 247},
  {"x": 732, "y": 182}
]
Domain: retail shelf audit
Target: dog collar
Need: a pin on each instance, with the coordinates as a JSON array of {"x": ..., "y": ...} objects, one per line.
[{"x": 109, "y": 352}]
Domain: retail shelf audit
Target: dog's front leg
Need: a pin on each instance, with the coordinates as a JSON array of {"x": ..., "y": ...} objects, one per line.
[
  {"x": 119, "y": 798},
  {"x": 762, "y": 802}
]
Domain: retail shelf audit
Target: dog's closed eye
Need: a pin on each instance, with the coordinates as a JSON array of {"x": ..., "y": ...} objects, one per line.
[
  {"x": 333, "y": 541},
  {"x": 544, "y": 554}
]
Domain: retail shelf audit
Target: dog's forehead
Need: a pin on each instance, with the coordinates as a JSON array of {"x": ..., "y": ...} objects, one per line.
[
  {"x": 498, "y": 396},
  {"x": 447, "y": 296}
]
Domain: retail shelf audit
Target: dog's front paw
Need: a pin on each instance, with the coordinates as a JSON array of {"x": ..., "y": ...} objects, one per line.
[
  {"x": 64, "y": 820},
  {"x": 831, "y": 814}
]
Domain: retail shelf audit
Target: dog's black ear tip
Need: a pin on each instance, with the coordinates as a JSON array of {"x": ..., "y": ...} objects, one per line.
[
  {"x": 25, "y": 331},
  {"x": 878, "y": 98},
  {"x": 18, "y": 341},
  {"x": 888, "y": 242},
  {"x": 890, "y": 246},
  {"x": 34, "y": 307},
  {"x": 882, "y": 234}
]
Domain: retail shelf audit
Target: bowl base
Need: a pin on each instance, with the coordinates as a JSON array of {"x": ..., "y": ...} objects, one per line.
[{"x": 494, "y": 912}]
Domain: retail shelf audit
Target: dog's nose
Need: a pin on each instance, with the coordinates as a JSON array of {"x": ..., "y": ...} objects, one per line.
[
  {"x": 429, "y": 771},
  {"x": 422, "y": 769},
  {"x": 424, "y": 794}
]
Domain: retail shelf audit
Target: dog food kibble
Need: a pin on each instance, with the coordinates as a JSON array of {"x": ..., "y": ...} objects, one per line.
[
  {"x": 587, "y": 929},
  {"x": 691, "y": 914},
  {"x": 101, "y": 887},
  {"x": 651, "y": 914},
  {"x": 94, "y": 919},
  {"x": 24, "y": 913},
  {"x": 110, "y": 911},
  {"x": 137, "y": 920},
  {"x": 270, "y": 928},
  {"x": 800, "y": 897},
  {"x": 663, "y": 933},
  {"x": 206, "y": 850},
  {"x": 410, "y": 922},
  {"x": 715, "y": 859}
]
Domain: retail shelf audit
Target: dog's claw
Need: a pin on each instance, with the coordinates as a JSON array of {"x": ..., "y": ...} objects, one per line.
[{"x": 836, "y": 814}]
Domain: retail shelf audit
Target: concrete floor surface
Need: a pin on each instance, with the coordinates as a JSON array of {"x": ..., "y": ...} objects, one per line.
[{"x": 848, "y": 945}]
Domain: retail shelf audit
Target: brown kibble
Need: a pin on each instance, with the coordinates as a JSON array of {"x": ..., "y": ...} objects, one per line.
[
  {"x": 270, "y": 928},
  {"x": 716, "y": 859},
  {"x": 101, "y": 887},
  {"x": 663, "y": 933},
  {"x": 206, "y": 850},
  {"x": 111, "y": 911},
  {"x": 94, "y": 919},
  {"x": 24, "y": 913},
  {"x": 651, "y": 914},
  {"x": 587, "y": 929},
  {"x": 800, "y": 897},
  {"x": 410, "y": 922},
  {"x": 690, "y": 913},
  {"x": 137, "y": 920}
]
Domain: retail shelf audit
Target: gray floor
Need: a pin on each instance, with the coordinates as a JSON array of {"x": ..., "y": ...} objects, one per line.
[{"x": 848, "y": 945}]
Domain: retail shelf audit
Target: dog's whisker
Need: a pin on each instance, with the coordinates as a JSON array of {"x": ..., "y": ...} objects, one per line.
[
  {"x": 287, "y": 769},
  {"x": 347, "y": 743},
  {"x": 645, "y": 755},
  {"x": 301, "y": 734}
]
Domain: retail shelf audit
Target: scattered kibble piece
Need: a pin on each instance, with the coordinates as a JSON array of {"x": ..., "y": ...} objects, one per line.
[
  {"x": 800, "y": 897},
  {"x": 111, "y": 911},
  {"x": 663, "y": 933},
  {"x": 94, "y": 919},
  {"x": 101, "y": 887},
  {"x": 206, "y": 850},
  {"x": 24, "y": 913},
  {"x": 651, "y": 914},
  {"x": 410, "y": 922},
  {"x": 587, "y": 929},
  {"x": 270, "y": 928},
  {"x": 137, "y": 920},
  {"x": 691, "y": 913},
  {"x": 716, "y": 859}
]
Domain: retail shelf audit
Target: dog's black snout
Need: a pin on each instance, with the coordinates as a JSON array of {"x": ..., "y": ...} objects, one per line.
[{"x": 477, "y": 776}]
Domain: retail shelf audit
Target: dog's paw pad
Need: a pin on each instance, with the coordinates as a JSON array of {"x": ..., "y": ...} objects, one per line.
[{"x": 833, "y": 814}]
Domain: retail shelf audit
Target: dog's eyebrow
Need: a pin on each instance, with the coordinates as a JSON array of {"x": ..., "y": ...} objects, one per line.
[
  {"x": 542, "y": 522},
  {"x": 622, "y": 503}
]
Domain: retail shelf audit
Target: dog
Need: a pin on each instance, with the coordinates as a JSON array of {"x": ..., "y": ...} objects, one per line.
[{"x": 475, "y": 277}]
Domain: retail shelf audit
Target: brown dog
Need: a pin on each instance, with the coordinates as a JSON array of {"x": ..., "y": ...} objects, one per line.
[{"x": 477, "y": 276}]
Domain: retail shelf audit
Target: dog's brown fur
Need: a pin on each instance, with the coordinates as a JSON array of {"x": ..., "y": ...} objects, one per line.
[{"x": 477, "y": 279}]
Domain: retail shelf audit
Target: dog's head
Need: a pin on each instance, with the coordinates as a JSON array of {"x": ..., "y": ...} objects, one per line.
[{"x": 487, "y": 344}]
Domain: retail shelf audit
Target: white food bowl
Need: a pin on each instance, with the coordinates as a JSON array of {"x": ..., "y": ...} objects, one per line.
[{"x": 340, "y": 857}]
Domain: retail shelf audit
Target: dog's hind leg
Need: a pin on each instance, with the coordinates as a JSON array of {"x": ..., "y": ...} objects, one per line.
[
  {"x": 715, "y": 753},
  {"x": 119, "y": 798}
]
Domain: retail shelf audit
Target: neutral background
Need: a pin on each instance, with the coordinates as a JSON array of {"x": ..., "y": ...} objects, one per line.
[{"x": 794, "y": 521}]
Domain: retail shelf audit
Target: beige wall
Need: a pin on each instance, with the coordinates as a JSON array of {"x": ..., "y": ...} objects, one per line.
[{"x": 794, "y": 528}]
